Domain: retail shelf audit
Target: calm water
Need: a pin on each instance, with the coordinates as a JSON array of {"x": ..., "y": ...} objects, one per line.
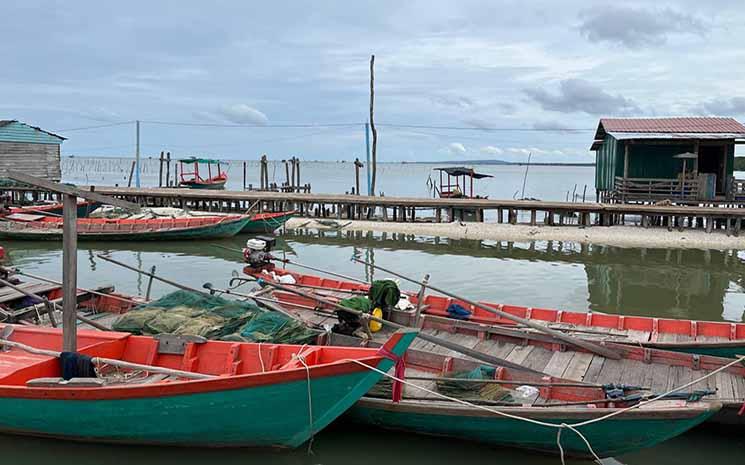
[{"x": 677, "y": 283}]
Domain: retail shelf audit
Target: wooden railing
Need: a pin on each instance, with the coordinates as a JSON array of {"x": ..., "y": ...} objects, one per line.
[{"x": 655, "y": 189}]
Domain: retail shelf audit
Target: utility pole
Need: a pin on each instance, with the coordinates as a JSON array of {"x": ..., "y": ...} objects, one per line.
[
  {"x": 367, "y": 145},
  {"x": 137, "y": 153},
  {"x": 374, "y": 160}
]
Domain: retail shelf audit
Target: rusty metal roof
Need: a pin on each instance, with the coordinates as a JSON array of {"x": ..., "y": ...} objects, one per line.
[
  {"x": 695, "y": 124},
  {"x": 691, "y": 128}
]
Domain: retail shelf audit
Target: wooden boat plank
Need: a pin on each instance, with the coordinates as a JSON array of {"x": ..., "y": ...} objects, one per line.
[
  {"x": 660, "y": 376},
  {"x": 558, "y": 363},
  {"x": 495, "y": 348},
  {"x": 538, "y": 359},
  {"x": 593, "y": 370},
  {"x": 414, "y": 392},
  {"x": 612, "y": 372},
  {"x": 520, "y": 354},
  {"x": 9, "y": 294},
  {"x": 578, "y": 366},
  {"x": 724, "y": 385},
  {"x": 673, "y": 379}
]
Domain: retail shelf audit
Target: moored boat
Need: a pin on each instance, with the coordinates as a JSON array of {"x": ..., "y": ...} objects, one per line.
[
  {"x": 85, "y": 207},
  {"x": 128, "y": 229},
  {"x": 248, "y": 395},
  {"x": 657, "y": 369},
  {"x": 719, "y": 339},
  {"x": 193, "y": 180},
  {"x": 267, "y": 222}
]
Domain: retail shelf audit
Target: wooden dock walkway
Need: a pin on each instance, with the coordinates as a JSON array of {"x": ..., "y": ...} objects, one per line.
[{"x": 411, "y": 209}]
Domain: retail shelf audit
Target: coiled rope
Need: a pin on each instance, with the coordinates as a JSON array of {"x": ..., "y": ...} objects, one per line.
[{"x": 572, "y": 427}]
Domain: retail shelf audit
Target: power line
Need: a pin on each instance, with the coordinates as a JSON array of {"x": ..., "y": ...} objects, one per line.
[
  {"x": 254, "y": 125},
  {"x": 471, "y": 128},
  {"x": 96, "y": 127}
]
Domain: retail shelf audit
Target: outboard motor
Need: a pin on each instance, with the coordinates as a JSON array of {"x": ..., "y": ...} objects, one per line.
[{"x": 257, "y": 252}]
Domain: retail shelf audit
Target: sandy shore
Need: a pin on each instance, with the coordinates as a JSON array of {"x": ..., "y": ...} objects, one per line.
[{"x": 622, "y": 236}]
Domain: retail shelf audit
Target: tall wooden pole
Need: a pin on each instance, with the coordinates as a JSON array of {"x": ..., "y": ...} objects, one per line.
[
  {"x": 137, "y": 153},
  {"x": 374, "y": 161},
  {"x": 168, "y": 169},
  {"x": 69, "y": 272}
]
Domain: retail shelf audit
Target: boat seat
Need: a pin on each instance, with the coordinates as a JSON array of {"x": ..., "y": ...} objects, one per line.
[{"x": 59, "y": 382}]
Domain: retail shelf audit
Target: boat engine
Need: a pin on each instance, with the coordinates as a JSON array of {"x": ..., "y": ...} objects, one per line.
[{"x": 257, "y": 252}]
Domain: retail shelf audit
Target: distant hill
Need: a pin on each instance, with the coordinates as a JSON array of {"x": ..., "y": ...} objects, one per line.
[{"x": 493, "y": 162}]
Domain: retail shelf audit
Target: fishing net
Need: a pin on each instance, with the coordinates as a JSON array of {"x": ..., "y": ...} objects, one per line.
[
  {"x": 193, "y": 314},
  {"x": 361, "y": 304},
  {"x": 469, "y": 389}
]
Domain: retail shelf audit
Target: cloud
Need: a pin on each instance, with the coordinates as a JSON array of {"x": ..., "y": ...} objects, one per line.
[
  {"x": 491, "y": 150},
  {"x": 101, "y": 114},
  {"x": 579, "y": 95},
  {"x": 636, "y": 28},
  {"x": 551, "y": 126},
  {"x": 453, "y": 101},
  {"x": 240, "y": 113},
  {"x": 456, "y": 148},
  {"x": 722, "y": 107}
]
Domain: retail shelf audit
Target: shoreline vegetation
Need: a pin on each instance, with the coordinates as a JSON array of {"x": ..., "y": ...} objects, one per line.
[{"x": 621, "y": 236}]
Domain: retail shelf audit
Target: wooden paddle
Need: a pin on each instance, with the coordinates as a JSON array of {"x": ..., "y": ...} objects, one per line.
[
  {"x": 434, "y": 339},
  {"x": 589, "y": 346}
]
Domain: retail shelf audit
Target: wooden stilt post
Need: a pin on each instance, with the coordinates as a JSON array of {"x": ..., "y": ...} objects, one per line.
[
  {"x": 168, "y": 169},
  {"x": 69, "y": 272}
]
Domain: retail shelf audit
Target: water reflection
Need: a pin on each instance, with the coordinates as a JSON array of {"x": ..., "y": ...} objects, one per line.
[{"x": 690, "y": 283}]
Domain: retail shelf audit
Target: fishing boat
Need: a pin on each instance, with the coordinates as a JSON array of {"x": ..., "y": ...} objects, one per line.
[
  {"x": 126, "y": 229},
  {"x": 267, "y": 222},
  {"x": 193, "y": 180},
  {"x": 526, "y": 422},
  {"x": 720, "y": 339},
  {"x": 85, "y": 207},
  {"x": 634, "y": 364},
  {"x": 196, "y": 393}
]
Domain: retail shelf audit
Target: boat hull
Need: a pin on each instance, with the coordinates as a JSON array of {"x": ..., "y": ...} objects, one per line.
[
  {"x": 267, "y": 416},
  {"x": 624, "y": 433},
  {"x": 223, "y": 229},
  {"x": 203, "y": 185},
  {"x": 266, "y": 224}
]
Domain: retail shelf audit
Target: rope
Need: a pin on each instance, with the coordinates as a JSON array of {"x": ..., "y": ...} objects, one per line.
[
  {"x": 573, "y": 427},
  {"x": 301, "y": 359},
  {"x": 261, "y": 360}
]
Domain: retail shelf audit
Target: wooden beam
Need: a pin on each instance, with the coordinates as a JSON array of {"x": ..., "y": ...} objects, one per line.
[
  {"x": 69, "y": 273},
  {"x": 72, "y": 191}
]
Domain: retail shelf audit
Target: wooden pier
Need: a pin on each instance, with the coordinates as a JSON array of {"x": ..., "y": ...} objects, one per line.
[{"x": 709, "y": 217}]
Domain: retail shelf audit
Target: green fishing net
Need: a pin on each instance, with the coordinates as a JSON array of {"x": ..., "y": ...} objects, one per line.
[
  {"x": 193, "y": 314},
  {"x": 384, "y": 293},
  {"x": 473, "y": 390}
]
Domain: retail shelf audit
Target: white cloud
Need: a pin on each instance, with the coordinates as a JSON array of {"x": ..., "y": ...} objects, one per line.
[
  {"x": 491, "y": 150},
  {"x": 456, "y": 148},
  {"x": 240, "y": 113},
  {"x": 579, "y": 95}
]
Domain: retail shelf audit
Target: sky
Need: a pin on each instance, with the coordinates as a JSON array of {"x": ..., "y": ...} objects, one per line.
[{"x": 454, "y": 80}]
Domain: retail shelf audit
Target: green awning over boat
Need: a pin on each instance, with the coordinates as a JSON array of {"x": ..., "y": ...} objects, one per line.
[{"x": 199, "y": 160}]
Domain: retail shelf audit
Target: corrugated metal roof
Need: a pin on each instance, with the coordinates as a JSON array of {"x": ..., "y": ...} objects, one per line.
[
  {"x": 677, "y": 125},
  {"x": 17, "y": 131},
  {"x": 676, "y": 135},
  {"x": 685, "y": 124}
]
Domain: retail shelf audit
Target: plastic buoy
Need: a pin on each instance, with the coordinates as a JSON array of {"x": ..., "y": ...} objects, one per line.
[{"x": 376, "y": 326}]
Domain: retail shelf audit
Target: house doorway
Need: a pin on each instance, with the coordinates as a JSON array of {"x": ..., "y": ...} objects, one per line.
[{"x": 711, "y": 160}]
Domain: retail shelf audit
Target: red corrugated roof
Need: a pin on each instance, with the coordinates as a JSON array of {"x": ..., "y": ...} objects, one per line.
[{"x": 692, "y": 125}]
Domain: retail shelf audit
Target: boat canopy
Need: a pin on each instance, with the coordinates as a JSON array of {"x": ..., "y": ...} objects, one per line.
[
  {"x": 463, "y": 171},
  {"x": 199, "y": 160}
]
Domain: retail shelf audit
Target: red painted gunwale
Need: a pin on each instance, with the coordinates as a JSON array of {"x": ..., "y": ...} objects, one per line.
[
  {"x": 437, "y": 305},
  {"x": 138, "y": 349},
  {"x": 133, "y": 224},
  {"x": 271, "y": 215}
]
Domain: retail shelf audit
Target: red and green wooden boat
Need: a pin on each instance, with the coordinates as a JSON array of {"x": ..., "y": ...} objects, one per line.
[
  {"x": 559, "y": 401},
  {"x": 128, "y": 229},
  {"x": 193, "y": 180},
  {"x": 85, "y": 207},
  {"x": 720, "y": 339},
  {"x": 658, "y": 369},
  {"x": 259, "y": 395},
  {"x": 267, "y": 222}
]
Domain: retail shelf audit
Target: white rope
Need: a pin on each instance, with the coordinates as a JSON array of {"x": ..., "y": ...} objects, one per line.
[
  {"x": 573, "y": 427},
  {"x": 261, "y": 360},
  {"x": 301, "y": 359}
]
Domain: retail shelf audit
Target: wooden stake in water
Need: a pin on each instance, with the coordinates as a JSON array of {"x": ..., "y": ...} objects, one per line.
[{"x": 69, "y": 272}]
